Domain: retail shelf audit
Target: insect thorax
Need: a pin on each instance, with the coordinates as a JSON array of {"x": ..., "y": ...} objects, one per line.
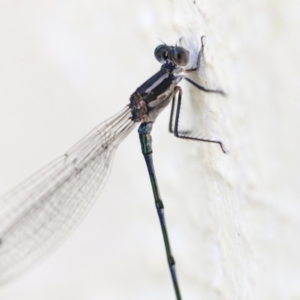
[
  {"x": 154, "y": 95},
  {"x": 139, "y": 108}
]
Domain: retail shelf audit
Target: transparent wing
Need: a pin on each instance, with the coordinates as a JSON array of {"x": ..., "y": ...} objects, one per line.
[{"x": 38, "y": 213}]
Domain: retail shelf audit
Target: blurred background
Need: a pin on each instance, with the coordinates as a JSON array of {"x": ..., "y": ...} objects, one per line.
[{"x": 66, "y": 66}]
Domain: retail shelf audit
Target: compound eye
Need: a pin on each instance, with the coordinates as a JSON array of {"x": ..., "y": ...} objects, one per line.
[
  {"x": 161, "y": 53},
  {"x": 180, "y": 56}
]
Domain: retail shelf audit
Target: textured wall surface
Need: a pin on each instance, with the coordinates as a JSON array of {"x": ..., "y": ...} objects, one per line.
[{"x": 65, "y": 66}]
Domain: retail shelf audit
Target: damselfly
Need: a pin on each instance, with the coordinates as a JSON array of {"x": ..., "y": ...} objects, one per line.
[{"x": 39, "y": 212}]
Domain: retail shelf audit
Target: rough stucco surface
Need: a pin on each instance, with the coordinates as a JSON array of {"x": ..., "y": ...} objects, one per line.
[{"x": 234, "y": 218}]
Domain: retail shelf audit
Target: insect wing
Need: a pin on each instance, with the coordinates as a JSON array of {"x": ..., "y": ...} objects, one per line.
[{"x": 42, "y": 210}]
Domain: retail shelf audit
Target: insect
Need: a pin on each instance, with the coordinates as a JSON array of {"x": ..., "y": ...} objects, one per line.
[{"x": 41, "y": 211}]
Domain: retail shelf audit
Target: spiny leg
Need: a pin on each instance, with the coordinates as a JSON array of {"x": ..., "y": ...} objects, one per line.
[
  {"x": 178, "y": 90},
  {"x": 183, "y": 135},
  {"x": 200, "y": 54},
  {"x": 146, "y": 144},
  {"x": 196, "y": 68},
  {"x": 200, "y": 87},
  {"x": 171, "y": 126}
]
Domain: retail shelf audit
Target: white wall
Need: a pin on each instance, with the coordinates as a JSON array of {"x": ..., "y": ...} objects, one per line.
[{"x": 65, "y": 66}]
